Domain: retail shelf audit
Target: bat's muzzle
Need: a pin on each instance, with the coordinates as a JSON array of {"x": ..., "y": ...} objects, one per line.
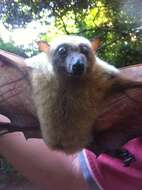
[
  {"x": 76, "y": 64},
  {"x": 78, "y": 68}
]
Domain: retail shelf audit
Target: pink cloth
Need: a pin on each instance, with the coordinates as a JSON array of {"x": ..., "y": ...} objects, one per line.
[{"x": 109, "y": 173}]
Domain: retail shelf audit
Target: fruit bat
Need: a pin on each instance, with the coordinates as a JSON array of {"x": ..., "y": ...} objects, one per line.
[{"x": 77, "y": 99}]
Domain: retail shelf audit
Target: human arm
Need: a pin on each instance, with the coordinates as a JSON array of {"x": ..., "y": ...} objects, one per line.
[{"x": 43, "y": 167}]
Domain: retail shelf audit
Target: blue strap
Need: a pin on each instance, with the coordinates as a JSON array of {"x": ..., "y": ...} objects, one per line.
[{"x": 86, "y": 173}]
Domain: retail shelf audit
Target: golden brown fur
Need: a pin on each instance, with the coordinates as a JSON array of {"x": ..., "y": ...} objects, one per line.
[
  {"x": 67, "y": 108},
  {"x": 67, "y": 111}
]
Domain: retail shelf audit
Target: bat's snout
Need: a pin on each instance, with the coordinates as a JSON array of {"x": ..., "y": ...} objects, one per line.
[
  {"x": 78, "y": 68},
  {"x": 76, "y": 64}
]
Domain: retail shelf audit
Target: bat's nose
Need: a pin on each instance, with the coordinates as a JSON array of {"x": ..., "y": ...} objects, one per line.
[
  {"x": 78, "y": 68},
  {"x": 76, "y": 64}
]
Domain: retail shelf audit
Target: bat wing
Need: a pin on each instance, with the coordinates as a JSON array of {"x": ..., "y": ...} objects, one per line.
[
  {"x": 15, "y": 92},
  {"x": 121, "y": 118}
]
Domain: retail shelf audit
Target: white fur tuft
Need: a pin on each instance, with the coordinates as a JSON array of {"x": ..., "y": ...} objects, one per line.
[
  {"x": 73, "y": 40},
  {"x": 39, "y": 62},
  {"x": 109, "y": 68}
]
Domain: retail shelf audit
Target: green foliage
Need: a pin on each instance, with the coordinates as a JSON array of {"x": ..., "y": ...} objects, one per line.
[
  {"x": 116, "y": 22},
  {"x": 10, "y": 47},
  {"x": 18, "y": 50}
]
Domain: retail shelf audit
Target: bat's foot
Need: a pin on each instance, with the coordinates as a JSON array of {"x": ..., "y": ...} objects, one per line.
[{"x": 125, "y": 156}]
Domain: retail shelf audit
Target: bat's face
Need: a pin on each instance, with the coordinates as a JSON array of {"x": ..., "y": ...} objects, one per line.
[{"x": 71, "y": 56}]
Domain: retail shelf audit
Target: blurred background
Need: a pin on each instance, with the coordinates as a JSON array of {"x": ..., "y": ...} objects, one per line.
[{"x": 117, "y": 23}]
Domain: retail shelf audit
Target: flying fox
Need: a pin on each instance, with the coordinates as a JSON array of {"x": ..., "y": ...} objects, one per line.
[{"x": 64, "y": 90}]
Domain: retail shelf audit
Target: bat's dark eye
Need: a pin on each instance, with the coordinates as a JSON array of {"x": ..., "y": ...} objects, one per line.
[
  {"x": 84, "y": 49},
  {"x": 62, "y": 51}
]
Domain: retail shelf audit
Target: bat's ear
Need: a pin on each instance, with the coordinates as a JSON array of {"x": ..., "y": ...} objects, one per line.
[
  {"x": 43, "y": 46},
  {"x": 96, "y": 43}
]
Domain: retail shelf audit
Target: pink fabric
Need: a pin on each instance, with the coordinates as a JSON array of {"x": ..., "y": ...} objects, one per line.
[{"x": 111, "y": 174}]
